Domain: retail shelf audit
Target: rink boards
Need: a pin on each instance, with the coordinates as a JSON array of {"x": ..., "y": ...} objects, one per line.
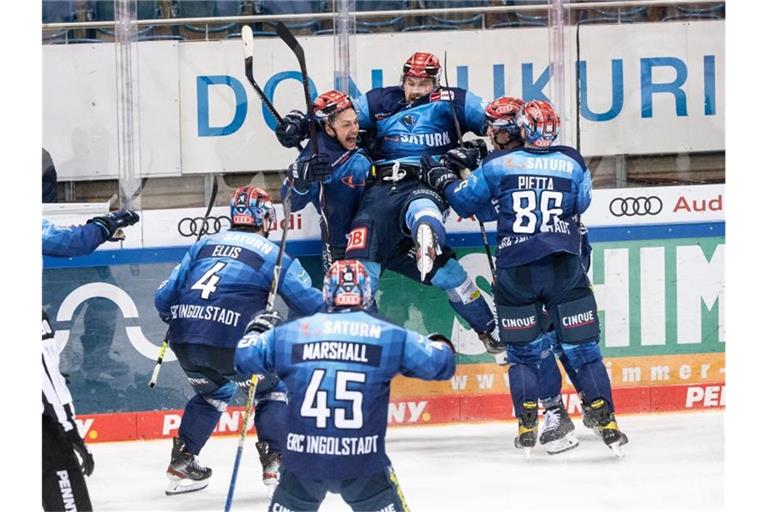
[{"x": 658, "y": 278}]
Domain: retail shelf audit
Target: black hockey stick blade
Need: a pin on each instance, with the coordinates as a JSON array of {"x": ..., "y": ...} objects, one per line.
[
  {"x": 285, "y": 34},
  {"x": 298, "y": 51}
]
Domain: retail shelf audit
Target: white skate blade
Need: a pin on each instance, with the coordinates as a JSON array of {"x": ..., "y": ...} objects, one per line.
[
  {"x": 568, "y": 442},
  {"x": 423, "y": 260},
  {"x": 527, "y": 453},
  {"x": 616, "y": 449},
  {"x": 184, "y": 485},
  {"x": 178, "y": 485}
]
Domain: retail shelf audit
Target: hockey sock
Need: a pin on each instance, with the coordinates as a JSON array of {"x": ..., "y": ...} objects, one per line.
[
  {"x": 464, "y": 296},
  {"x": 595, "y": 383},
  {"x": 523, "y": 385},
  {"x": 572, "y": 375},
  {"x": 270, "y": 421},
  {"x": 201, "y": 415},
  {"x": 550, "y": 380}
]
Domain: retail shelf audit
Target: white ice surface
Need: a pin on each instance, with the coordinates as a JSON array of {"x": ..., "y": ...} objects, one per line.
[{"x": 672, "y": 462}]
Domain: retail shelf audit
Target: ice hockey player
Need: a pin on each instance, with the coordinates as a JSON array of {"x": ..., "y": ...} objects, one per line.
[
  {"x": 399, "y": 224},
  {"x": 221, "y": 284},
  {"x": 557, "y": 434},
  {"x": 542, "y": 190},
  {"x": 338, "y": 366},
  {"x": 339, "y": 165},
  {"x": 64, "y": 487}
]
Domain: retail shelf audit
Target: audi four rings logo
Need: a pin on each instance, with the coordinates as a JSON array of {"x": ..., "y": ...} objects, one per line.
[
  {"x": 192, "y": 226},
  {"x": 631, "y": 206}
]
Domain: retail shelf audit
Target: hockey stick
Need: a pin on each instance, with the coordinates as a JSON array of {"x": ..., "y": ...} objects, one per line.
[
  {"x": 249, "y": 406},
  {"x": 298, "y": 51},
  {"x": 456, "y": 124},
  {"x": 164, "y": 346}
]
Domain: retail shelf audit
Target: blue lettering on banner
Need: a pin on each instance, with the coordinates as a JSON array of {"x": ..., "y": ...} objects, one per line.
[
  {"x": 498, "y": 80},
  {"x": 204, "y": 128},
  {"x": 534, "y": 90},
  {"x": 648, "y": 88},
  {"x": 462, "y": 77},
  {"x": 617, "y": 92},
  {"x": 710, "y": 94},
  {"x": 269, "y": 92}
]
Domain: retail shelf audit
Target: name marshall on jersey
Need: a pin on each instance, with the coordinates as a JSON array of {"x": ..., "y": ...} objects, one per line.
[
  {"x": 328, "y": 445},
  {"x": 346, "y": 351},
  {"x": 212, "y": 313}
]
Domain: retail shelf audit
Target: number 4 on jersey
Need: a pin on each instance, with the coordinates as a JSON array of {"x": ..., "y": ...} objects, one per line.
[{"x": 207, "y": 283}]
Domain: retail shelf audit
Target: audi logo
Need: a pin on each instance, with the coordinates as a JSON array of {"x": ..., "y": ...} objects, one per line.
[
  {"x": 192, "y": 226},
  {"x": 631, "y": 206}
]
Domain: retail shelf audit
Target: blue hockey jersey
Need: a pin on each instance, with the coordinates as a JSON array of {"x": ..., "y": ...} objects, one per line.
[
  {"x": 539, "y": 193},
  {"x": 222, "y": 282},
  {"x": 406, "y": 132},
  {"x": 65, "y": 241},
  {"x": 337, "y": 368},
  {"x": 343, "y": 188}
]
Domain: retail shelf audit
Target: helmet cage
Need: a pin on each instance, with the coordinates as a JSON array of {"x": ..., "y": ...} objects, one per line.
[
  {"x": 347, "y": 286},
  {"x": 540, "y": 123},
  {"x": 250, "y": 206}
]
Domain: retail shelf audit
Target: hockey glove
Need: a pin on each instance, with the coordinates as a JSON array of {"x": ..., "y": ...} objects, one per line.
[
  {"x": 78, "y": 445},
  {"x": 315, "y": 168},
  {"x": 436, "y": 176},
  {"x": 111, "y": 222},
  {"x": 263, "y": 322},
  {"x": 292, "y": 129},
  {"x": 437, "y": 338},
  {"x": 467, "y": 156}
]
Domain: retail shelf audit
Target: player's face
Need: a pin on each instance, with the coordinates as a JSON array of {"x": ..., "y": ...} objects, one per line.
[
  {"x": 415, "y": 88},
  {"x": 498, "y": 137},
  {"x": 347, "y": 129}
]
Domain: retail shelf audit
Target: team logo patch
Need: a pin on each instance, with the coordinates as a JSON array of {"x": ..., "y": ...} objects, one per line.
[
  {"x": 358, "y": 239},
  {"x": 409, "y": 120}
]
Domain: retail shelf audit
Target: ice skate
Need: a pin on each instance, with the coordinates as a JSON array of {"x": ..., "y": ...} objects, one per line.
[
  {"x": 588, "y": 417},
  {"x": 184, "y": 473},
  {"x": 270, "y": 463},
  {"x": 558, "y": 434},
  {"x": 527, "y": 428},
  {"x": 427, "y": 249},
  {"x": 609, "y": 430}
]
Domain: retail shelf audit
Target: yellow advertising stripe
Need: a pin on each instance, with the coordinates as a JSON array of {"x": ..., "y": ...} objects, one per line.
[{"x": 636, "y": 371}]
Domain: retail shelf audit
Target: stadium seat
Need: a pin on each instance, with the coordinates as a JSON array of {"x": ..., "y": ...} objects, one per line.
[
  {"x": 207, "y": 9},
  {"x": 105, "y": 11},
  {"x": 273, "y": 7},
  {"x": 460, "y": 20},
  {"x": 423, "y": 28},
  {"x": 57, "y": 12},
  {"x": 614, "y": 16},
  {"x": 696, "y": 12},
  {"x": 380, "y": 24},
  {"x": 327, "y": 31}
]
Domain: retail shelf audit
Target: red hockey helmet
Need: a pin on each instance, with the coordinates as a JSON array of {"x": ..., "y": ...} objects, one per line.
[
  {"x": 347, "y": 285},
  {"x": 330, "y": 104},
  {"x": 422, "y": 65},
  {"x": 501, "y": 113},
  {"x": 540, "y": 123},
  {"x": 251, "y": 206}
]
